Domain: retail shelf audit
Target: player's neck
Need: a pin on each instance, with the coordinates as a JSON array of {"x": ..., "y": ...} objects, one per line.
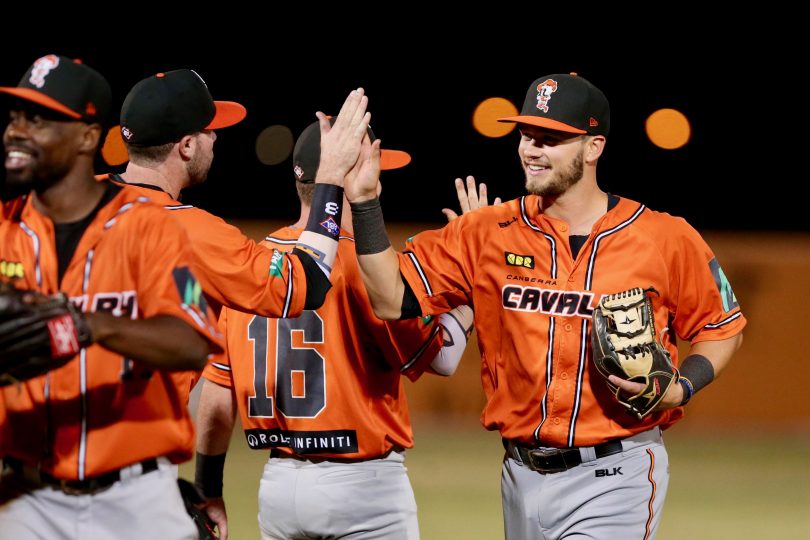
[
  {"x": 71, "y": 199},
  {"x": 157, "y": 176},
  {"x": 581, "y": 206}
]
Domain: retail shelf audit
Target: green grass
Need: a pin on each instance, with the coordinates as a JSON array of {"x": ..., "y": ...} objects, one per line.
[{"x": 729, "y": 487}]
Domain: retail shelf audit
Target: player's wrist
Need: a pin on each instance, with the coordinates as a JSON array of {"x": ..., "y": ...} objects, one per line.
[
  {"x": 370, "y": 236},
  {"x": 696, "y": 372},
  {"x": 687, "y": 388},
  {"x": 208, "y": 474}
]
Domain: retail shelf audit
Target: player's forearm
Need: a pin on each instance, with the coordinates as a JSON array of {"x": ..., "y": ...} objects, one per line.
[
  {"x": 216, "y": 417},
  {"x": 719, "y": 353},
  {"x": 380, "y": 273},
  {"x": 457, "y": 324},
  {"x": 161, "y": 342}
]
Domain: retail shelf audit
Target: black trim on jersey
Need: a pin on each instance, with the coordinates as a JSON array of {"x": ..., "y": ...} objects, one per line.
[
  {"x": 549, "y": 364},
  {"x": 604, "y": 234},
  {"x": 412, "y": 256},
  {"x": 410, "y": 305},
  {"x": 290, "y": 280},
  {"x": 550, "y": 238},
  {"x": 576, "y": 241},
  {"x": 68, "y": 235},
  {"x": 420, "y": 352},
  {"x": 583, "y": 345},
  {"x": 724, "y": 322},
  {"x": 288, "y": 300},
  {"x": 317, "y": 282},
  {"x": 583, "y": 355}
]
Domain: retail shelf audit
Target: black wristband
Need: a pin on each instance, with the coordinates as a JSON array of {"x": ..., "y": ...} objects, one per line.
[
  {"x": 326, "y": 210},
  {"x": 370, "y": 236},
  {"x": 208, "y": 474},
  {"x": 698, "y": 372}
]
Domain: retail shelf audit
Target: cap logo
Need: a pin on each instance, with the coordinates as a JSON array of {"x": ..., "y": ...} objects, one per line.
[
  {"x": 593, "y": 122},
  {"x": 299, "y": 172},
  {"x": 544, "y": 91},
  {"x": 126, "y": 133},
  {"x": 41, "y": 68}
]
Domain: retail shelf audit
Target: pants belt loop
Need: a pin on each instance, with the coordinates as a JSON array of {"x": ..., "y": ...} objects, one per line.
[{"x": 588, "y": 454}]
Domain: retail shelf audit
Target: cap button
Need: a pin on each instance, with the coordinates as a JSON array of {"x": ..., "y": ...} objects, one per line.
[
  {"x": 160, "y": 75},
  {"x": 574, "y": 73}
]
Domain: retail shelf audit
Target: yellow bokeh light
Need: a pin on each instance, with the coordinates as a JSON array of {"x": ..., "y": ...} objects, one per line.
[
  {"x": 668, "y": 129},
  {"x": 485, "y": 117},
  {"x": 114, "y": 152},
  {"x": 274, "y": 144}
]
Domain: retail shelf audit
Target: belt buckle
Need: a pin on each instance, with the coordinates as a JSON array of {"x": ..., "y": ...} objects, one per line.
[
  {"x": 541, "y": 460},
  {"x": 67, "y": 487}
]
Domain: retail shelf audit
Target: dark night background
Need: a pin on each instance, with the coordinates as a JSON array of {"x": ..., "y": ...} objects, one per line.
[{"x": 423, "y": 103}]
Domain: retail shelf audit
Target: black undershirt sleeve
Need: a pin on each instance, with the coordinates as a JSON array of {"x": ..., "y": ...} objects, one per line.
[
  {"x": 410, "y": 305},
  {"x": 317, "y": 282}
]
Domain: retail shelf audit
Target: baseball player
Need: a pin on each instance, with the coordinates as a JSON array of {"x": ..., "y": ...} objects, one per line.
[
  {"x": 88, "y": 448},
  {"x": 323, "y": 392},
  {"x": 577, "y": 464},
  {"x": 168, "y": 124}
]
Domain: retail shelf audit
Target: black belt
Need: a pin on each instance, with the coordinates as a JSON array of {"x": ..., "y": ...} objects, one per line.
[
  {"x": 87, "y": 486},
  {"x": 554, "y": 460}
]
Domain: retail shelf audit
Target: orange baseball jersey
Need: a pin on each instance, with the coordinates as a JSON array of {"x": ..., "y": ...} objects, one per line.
[
  {"x": 534, "y": 302},
  {"x": 102, "y": 411},
  {"x": 327, "y": 383},
  {"x": 234, "y": 270}
]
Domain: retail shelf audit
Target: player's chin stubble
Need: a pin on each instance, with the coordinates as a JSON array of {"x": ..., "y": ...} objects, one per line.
[
  {"x": 197, "y": 168},
  {"x": 560, "y": 181}
]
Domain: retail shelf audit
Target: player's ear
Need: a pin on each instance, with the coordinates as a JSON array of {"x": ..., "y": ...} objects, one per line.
[
  {"x": 594, "y": 146},
  {"x": 89, "y": 138},
  {"x": 186, "y": 146}
]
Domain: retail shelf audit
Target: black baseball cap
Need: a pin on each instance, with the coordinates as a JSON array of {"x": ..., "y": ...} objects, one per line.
[
  {"x": 565, "y": 103},
  {"x": 167, "y": 106},
  {"x": 307, "y": 154},
  {"x": 66, "y": 86}
]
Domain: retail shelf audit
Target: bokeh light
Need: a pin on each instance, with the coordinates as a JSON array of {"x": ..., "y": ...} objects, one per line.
[
  {"x": 485, "y": 117},
  {"x": 274, "y": 144},
  {"x": 114, "y": 152},
  {"x": 668, "y": 129}
]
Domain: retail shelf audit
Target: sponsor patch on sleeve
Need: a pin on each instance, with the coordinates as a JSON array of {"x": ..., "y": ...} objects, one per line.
[{"x": 723, "y": 285}]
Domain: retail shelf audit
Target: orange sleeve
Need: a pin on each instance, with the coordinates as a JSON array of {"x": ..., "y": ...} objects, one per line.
[
  {"x": 437, "y": 266},
  {"x": 218, "y": 369},
  {"x": 239, "y": 273},
  {"x": 162, "y": 259},
  {"x": 705, "y": 308},
  {"x": 409, "y": 345}
]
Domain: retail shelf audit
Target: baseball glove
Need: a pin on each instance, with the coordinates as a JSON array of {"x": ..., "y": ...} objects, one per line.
[
  {"x": 38, "y": 333},
  {"x": 625, "y": 344},
  {"x": 193, "y": 499}
]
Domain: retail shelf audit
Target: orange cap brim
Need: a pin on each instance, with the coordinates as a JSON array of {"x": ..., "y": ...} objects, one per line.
[
  {"x": 29, "y": 94},
  {"x": 393, "y": 159},
  {"x": 228, "y": 113},
  {"x": 539, "y": 121}
]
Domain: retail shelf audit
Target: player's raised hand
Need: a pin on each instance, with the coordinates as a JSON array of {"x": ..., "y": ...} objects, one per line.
[
  {"x": 340, "y": 142},
  {"x": 469, "y": 198},
  {"x": 362, "y": 181}
]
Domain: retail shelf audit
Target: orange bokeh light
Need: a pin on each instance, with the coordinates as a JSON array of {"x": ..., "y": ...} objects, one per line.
[
  {"x": 485, "y": 117},
  {"x": 668, "y": 129},
  {"x": 114, "y": 152}
]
